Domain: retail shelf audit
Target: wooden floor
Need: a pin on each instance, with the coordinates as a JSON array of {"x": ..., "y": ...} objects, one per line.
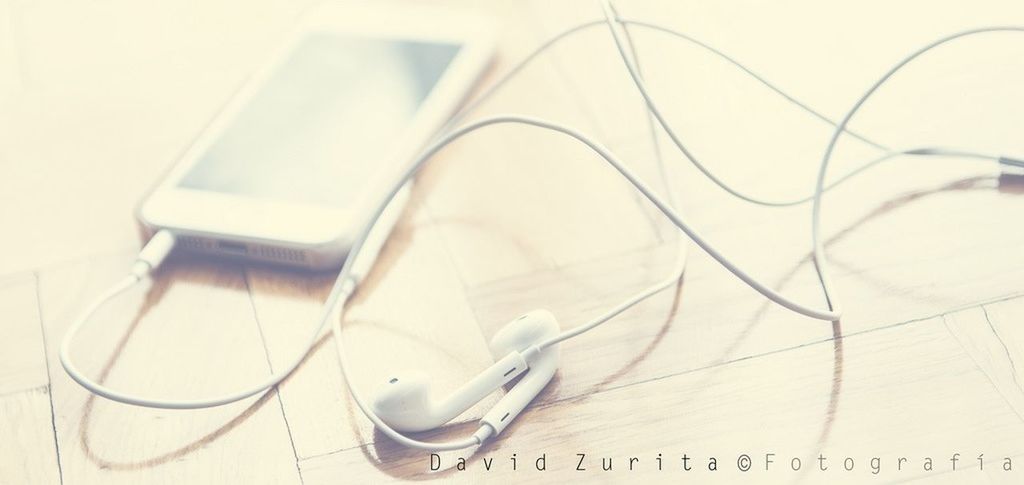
[{"x": 96, "y": 98}]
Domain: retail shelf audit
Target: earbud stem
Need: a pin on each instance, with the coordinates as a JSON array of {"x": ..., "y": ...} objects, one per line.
[
  {"x": 474, "y": 391},
  {"x": 542, "y": 369}
]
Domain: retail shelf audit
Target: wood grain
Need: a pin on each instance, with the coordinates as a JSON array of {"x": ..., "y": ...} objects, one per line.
[
  {"x": 565, "y": 198},
  {"x": 718, "y": 319},
  {"x": 787, "y": 403},
  {"x": 429, "y": 261},
  {"x": 189, "y": 334},
  {"x": 28, "y": 442},
  {"x": 22, "y": 365},
  {"x": 26, "y": 428},
  {"x": 925, "y": 255},
  {"x": 993, "y": 338},
  {"x": 407, "y": 317}
]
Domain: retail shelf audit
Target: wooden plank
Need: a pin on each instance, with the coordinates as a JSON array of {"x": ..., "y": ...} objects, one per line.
[
  {"x": 719, "y": 319},
  {"x": 27, "y": 452},
  {"x": 416, "y": 304},
  {"x": 572, "y": 239},
  {"x": 566, "y": 204},
  {"x": 27, "y": 449},
  {"x": 992, "y": 336},
  {"x": 762, "y": 144},
  {"x": 189, "y": 334},
  {"x": 410, "y": 315},
  {"x": 23, "y": 360},
  {"x": 888, "y": 394},
  {"x": 894, "y": 260}
]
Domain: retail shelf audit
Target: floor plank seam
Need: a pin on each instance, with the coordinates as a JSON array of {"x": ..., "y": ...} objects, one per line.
[
  {"x": 805, "y": 344},
  {"x": 291, "y": 439},
  {"x": 49, "y": 377},
  {"x": 977, "y": 365},
  {"x": 276, "y": 389},
  {"x": 1006, "y": 350}
]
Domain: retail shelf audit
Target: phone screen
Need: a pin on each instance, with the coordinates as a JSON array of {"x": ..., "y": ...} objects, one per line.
[{"x": 321, "y": 123}]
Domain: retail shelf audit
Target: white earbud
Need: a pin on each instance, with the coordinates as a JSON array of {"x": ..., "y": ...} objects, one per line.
[
  {"x": 522, "y": 336},
  {"x": 405, "y": 401}
]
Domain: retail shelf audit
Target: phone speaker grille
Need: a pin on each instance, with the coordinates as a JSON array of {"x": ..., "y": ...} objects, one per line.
[{"x": 278, "y": 254}]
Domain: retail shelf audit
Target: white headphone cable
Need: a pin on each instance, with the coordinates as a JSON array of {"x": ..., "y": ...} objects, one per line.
[
  {"x": 163, "y": 237},
  {"x": 484, "y": 431},
  {"x": 820, "y": 260},
  {"x": 679, "y": 265},
  {"x": 820, "y": 263},
  {"x": 345, "y": 284},
  {"x": 888, "y": 153},
  {"x": 151, "y": 256}
]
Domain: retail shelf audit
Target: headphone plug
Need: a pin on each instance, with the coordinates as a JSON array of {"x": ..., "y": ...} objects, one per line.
[{"x": 153, "y": 253}]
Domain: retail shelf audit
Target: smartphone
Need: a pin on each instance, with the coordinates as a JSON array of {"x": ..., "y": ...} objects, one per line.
[{"x": 290, "y": 167}]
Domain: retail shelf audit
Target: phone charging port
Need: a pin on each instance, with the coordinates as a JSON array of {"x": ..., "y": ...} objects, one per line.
[{"x": 233, "y": 247}]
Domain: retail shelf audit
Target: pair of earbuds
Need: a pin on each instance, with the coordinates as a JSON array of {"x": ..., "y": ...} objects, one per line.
[{"x": 407, "y": 403}]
